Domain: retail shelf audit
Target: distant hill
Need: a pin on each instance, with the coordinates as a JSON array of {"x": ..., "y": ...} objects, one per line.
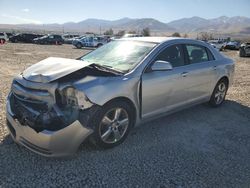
[
  {"x": 95, "y": 25},
  {"x": 188, "y": 24},
  {"x": 222, "y": 25}
]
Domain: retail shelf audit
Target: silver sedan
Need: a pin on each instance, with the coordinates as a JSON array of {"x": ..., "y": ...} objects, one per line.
[{"x": 57, "y": 103}]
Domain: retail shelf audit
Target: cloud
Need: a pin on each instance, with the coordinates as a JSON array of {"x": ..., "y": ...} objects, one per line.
[
  {"x": 21, "y": 20},
  {"x": 25, "y": 10}
]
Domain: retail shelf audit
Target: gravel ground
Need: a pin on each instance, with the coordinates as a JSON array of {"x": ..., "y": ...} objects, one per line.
[{"x": 197, "y": 147}]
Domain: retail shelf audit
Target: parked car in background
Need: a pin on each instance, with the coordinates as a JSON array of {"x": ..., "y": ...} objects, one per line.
[
  {"x": 89, "y": 42},
  {"x": 56, "y": 104},
  {"x": 68, "y": 38},
  {"x": 49, "y": 39},
  {"x": 9, "y": 35},
  {"x": 244, "y": 49},
  {"x": 218, "y": 44},
  {"x": 3, "y": 37},
  {"x": 24, "y": 37},
  {"x": 233, "y": 45},
  {"x": 132, "y": 35}
]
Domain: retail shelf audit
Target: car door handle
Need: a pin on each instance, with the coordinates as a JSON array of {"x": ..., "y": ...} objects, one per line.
[
  {"x": 215, "y": 67},
  {"x": 184, "y": 74}
]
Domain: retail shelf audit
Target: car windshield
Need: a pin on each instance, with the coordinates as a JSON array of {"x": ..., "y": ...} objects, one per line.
[{"x": 120, "y": 55}]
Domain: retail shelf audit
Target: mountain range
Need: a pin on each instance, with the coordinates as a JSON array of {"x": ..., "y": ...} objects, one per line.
[{"x": 221, "y": 25}]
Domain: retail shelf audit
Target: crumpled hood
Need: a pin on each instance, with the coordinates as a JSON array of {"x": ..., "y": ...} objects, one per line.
[{"x": 52, "y": 68}]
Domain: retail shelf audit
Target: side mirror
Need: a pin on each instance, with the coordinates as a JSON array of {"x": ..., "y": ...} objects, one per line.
[{"x": 160, "y": 65}]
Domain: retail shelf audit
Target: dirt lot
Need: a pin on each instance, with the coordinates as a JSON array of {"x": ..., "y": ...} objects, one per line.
[{"x": 197, "y": 147}]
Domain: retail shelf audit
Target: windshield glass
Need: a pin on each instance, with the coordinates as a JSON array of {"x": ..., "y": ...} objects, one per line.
[{"x": 120, "y": 55}]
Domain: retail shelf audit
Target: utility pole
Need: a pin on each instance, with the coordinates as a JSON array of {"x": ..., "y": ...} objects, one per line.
[{"x": 43, "y": 29}]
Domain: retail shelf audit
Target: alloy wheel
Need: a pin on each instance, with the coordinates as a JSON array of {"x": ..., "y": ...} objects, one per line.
[
  {"x": 114, "y": 125},
  {"x": 220, "y": 93}
]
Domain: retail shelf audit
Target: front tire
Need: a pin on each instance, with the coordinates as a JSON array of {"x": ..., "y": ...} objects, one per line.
[
  {"x": 79, "y": 45},
  {"x": 112, "y": 124},
  {"x": 99, "y": 45},
  {"x": 242, "y": 53},
  {"x": 219, "y": 93}
]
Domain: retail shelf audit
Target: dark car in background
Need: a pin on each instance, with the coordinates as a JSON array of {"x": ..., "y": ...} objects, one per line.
[
  {"x": 244, "y": 49},
  {"x": 49, "y": 39},
  {"x": 24, "y": 37},
  {"x": 9, "y": 35},
  {"x": 233, "y": 45}
]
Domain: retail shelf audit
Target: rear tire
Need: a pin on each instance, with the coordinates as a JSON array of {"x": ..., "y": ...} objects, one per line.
[
  {"x": 219, "y": 93},
  {"x": 111, "y": 124}
]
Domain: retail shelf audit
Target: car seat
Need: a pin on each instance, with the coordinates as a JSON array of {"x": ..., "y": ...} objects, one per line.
[{"x": 196, "y": 56}]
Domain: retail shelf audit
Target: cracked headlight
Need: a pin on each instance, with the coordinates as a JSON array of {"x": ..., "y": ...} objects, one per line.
[{"x": 69, "y": 96}]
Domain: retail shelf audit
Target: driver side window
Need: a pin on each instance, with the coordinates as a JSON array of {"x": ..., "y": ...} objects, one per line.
[{"x": 172, "y": 54}]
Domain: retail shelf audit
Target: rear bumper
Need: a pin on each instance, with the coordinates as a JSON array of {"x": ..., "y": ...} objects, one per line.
[{"x": 47, "y": 143}]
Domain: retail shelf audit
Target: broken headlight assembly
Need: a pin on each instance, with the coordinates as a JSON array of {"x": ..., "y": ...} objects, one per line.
[
  {"x": 66, "y": 97},
  {"x": 71, "y": 97}
]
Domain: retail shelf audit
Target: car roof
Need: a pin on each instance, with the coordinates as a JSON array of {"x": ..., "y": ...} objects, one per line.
[
  {"x": 159, "y": 40},
  {"x": 152, "y": 39}
]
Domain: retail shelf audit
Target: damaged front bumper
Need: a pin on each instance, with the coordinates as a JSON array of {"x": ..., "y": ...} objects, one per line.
[{"x": 57, "y": 143}]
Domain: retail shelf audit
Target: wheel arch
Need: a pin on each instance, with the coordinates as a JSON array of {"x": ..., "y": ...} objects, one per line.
[
  {"x": 129, "y": 102},
  {"x": 225, "y": 78}
]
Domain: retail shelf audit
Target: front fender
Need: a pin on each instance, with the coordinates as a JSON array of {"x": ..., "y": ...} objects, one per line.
[
  {"x": 226, "y": 70},
  {"x": 103, "y": 89}
]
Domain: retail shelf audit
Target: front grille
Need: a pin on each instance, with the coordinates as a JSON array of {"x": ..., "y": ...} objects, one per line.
[
  {"x": 27, "y": 94},
  {"x": 30, "y": 89},
  {"x": 35, "y": 104},
  {"x": 36, "y": 107},
  {"x": 24, "y": 112},
  {"x": 36, "y": 114}
]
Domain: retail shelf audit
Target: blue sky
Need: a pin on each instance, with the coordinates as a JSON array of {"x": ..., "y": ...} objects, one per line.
[{"x": 56, "y": 11}]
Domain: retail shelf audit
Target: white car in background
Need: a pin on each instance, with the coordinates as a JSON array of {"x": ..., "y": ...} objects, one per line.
[{"x": 128, "y": 35}]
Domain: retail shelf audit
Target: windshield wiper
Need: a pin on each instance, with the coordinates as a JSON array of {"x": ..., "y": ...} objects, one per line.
[{"x": 106, "y": 68}]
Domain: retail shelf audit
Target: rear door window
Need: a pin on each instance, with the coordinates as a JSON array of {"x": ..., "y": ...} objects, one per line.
[
  {"x": 196, "y": 54},
  {"x": 210, "y": 55}
]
